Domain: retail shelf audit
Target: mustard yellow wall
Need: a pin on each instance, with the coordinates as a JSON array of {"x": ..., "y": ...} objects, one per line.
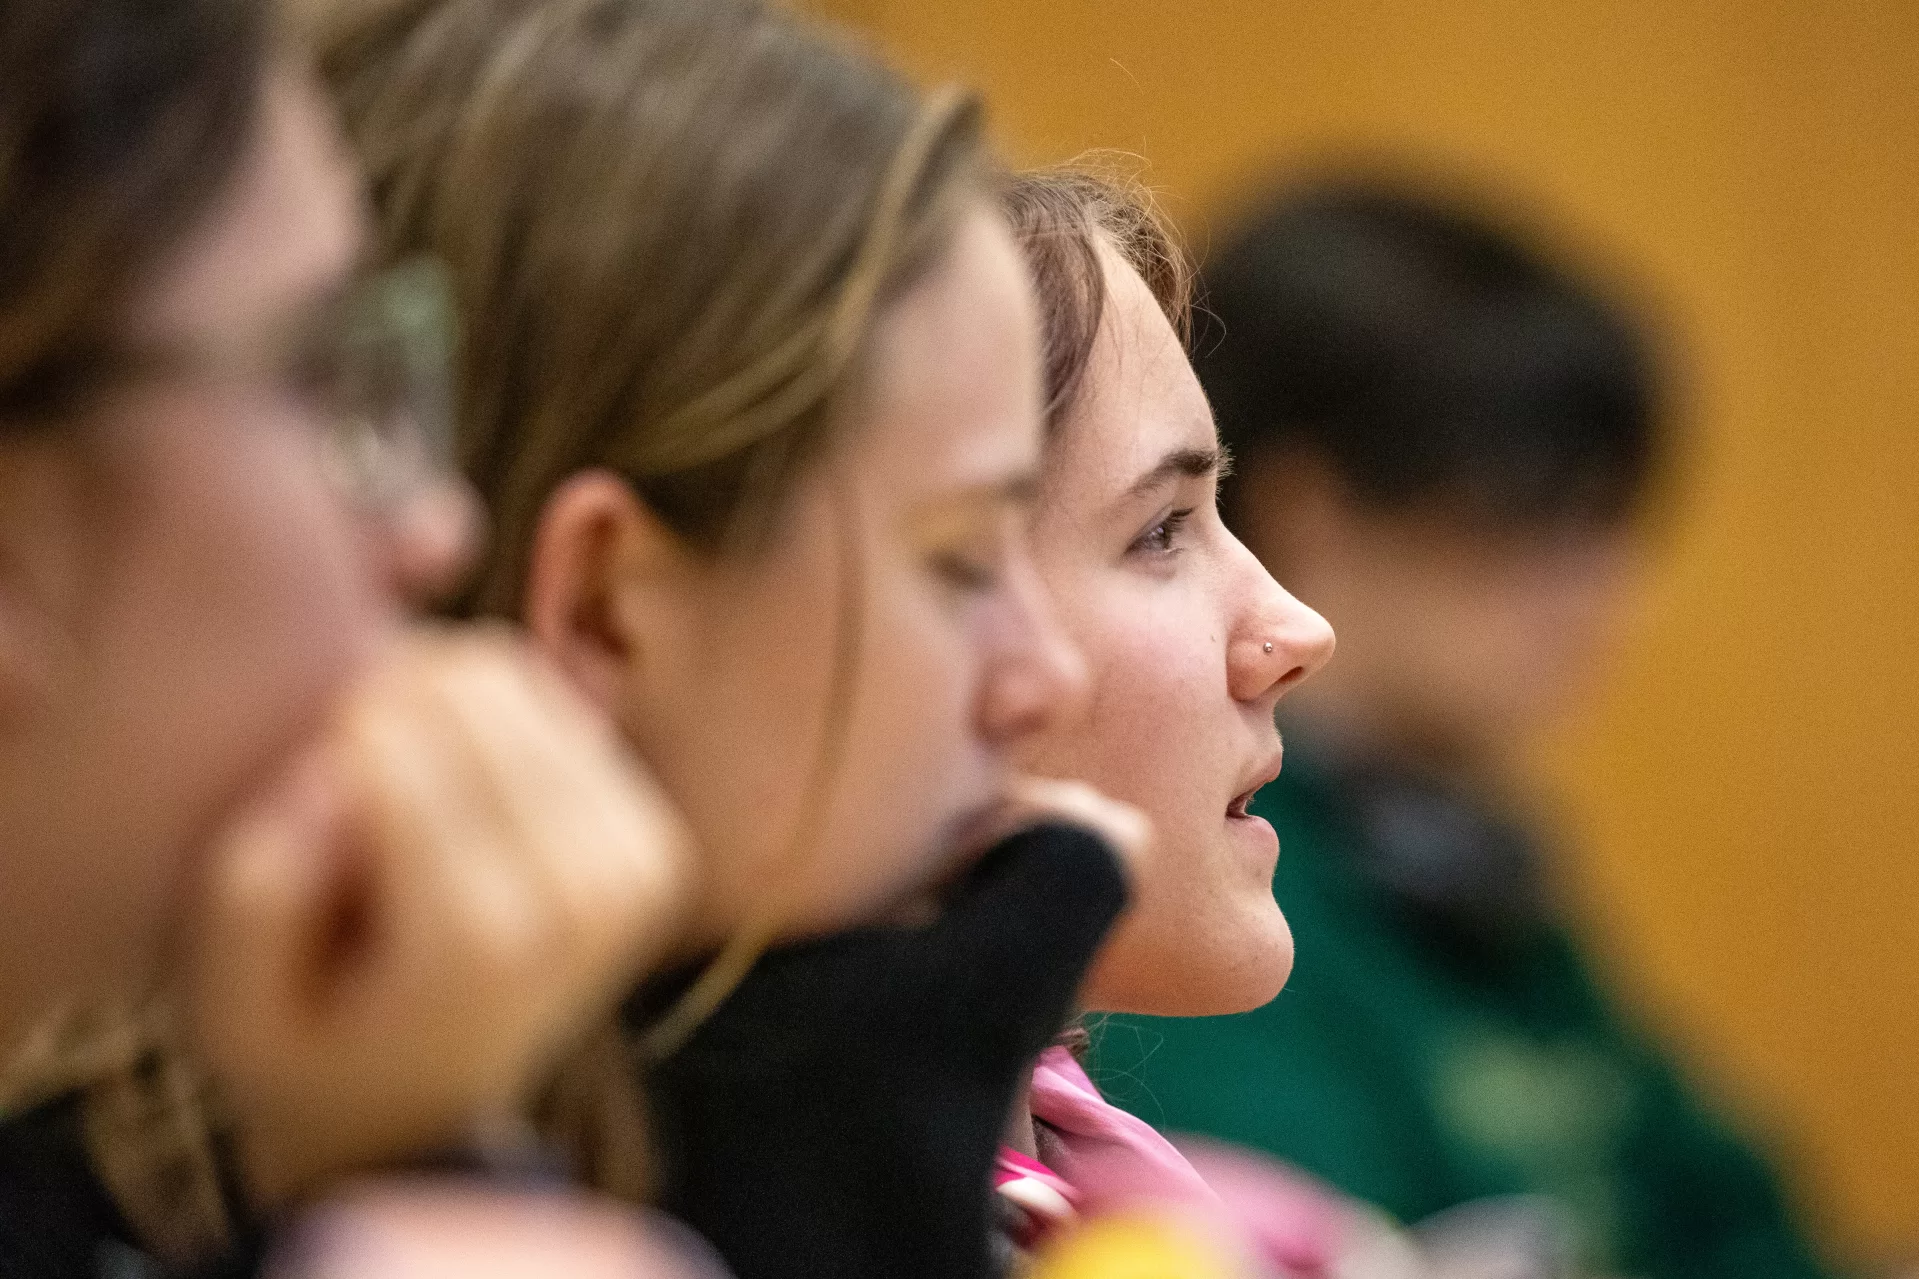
[{"x": 1748, "y": 793}]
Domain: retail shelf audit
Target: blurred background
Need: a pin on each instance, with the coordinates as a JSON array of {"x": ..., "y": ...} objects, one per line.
[{"x": 1740, "y": 803}]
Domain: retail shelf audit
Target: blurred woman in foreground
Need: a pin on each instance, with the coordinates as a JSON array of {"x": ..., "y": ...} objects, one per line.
[{"x": 227, "y": 769}]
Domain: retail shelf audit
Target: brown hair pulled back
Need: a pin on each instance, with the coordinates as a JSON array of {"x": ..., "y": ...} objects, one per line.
[
  {"x": 670, "y": 224},
  {"x": 1061, "y": 216}
]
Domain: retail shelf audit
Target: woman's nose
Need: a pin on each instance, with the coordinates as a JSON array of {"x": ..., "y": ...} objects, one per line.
[
  {"x": 1038, "y": 677},
  {"x": 1280, "y": 643},
  {"x": 426, "y": 542}
]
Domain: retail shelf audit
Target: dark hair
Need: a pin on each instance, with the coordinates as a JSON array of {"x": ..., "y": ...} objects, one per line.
[
  {"x": 1060, "y": 216},
  {"x": 119, "y": 121},
  {"x": 1429, "y": 358}
]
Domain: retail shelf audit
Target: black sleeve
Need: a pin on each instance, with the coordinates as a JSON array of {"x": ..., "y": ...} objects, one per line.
[
  {"x": 838, "y": 1117},
  {"x": 57, "y": 1221}
]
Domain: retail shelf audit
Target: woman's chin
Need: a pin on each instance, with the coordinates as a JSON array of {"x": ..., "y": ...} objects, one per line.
[{"x": 1236, "y": 970}]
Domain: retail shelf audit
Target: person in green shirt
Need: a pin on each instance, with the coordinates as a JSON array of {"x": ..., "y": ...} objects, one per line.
[{"x": 1446, "y": 444}]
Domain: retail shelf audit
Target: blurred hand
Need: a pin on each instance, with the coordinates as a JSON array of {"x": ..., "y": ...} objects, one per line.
[
  {"x": 1030, "y": 802},
  {"x": 845, "y": 1105},
  {"x": 399, "y": 940},
  {"x": 430, "y": 1231}
]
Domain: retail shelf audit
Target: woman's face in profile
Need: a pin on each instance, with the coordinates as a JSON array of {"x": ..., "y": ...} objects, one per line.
[
  {"x": 925, "y": 496},
  {"x": 1189, "y": 644},
  {"x": 191, "y": 589}
]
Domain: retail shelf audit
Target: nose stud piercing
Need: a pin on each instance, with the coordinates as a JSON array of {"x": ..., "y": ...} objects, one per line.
[{"x": 1269, "y": 646}]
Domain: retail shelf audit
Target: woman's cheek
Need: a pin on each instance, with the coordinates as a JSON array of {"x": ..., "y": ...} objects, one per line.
[{"x": 914, "y": 743}]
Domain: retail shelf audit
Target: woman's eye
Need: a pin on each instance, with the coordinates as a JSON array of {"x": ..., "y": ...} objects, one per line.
[
  {"x": 1163, "y": 537},
  {"x": 966, "y": 572}
]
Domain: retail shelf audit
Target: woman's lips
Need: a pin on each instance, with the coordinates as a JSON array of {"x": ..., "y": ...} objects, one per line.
[
  {"x": 1258, "y": 838},
  {"x": 1236, "y": 809}
]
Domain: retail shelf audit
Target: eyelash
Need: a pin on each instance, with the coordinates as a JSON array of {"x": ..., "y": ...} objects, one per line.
[{"x": 1163, "y": 533}]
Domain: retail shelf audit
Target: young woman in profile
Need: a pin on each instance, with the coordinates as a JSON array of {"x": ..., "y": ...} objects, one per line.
[{"x": 1189, "y": 645}]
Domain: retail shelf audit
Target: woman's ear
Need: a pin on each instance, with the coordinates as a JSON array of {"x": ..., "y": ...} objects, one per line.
[{"x": 598, "y": 582}]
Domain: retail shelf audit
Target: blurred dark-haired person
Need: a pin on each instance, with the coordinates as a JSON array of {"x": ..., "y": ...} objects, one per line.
[{"x": 1445, "y": 443}]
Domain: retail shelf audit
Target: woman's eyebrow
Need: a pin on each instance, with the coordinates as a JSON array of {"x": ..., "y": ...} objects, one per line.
[
  {"x": 943, "y": 511},
  {"x": 1020, "y": 489},
  {"x": 1183, "y": 463}
]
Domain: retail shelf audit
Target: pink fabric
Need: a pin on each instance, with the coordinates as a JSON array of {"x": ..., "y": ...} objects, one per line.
[
  {"x": 1116, "y": 1160},
  {"x": 1013, "y": 1166},
  {"x": 1292, "y": 1220}
]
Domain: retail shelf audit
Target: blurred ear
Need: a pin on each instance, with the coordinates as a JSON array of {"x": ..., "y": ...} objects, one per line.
[{"x": 606, "y": 575}]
